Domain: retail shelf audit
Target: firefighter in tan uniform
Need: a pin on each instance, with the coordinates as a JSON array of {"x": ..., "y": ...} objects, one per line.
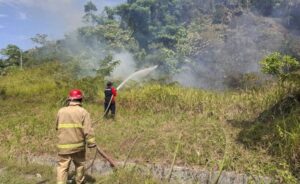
[{"x": 75, "y": 132}]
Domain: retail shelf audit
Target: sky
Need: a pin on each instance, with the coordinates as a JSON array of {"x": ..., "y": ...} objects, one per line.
[{"x": 21, "y": 20}]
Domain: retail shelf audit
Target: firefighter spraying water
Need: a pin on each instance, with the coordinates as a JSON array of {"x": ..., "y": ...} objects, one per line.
[
  {"x": 75, "y": 132},
  {"x": 109, "y": 101},
  {"x": 110, "y": 92}
]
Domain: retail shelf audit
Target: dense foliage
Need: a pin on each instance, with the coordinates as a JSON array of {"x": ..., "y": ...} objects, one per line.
[
  {"x": 172, "y": 34},
  {"x": 279, "y": 65}
]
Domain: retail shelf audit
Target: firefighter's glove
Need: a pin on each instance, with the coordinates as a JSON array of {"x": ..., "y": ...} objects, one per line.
[
  {"x": 93, "y": 145},
  {"x": 91, "y": 142}
]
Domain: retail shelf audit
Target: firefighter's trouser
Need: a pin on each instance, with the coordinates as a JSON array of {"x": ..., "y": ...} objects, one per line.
[
  {"x": 64, "y": 162},
  {"x": 111, "y": 108}
]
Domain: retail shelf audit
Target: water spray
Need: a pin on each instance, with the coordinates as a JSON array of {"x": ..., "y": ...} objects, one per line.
[{"x": 140, "y": 73}]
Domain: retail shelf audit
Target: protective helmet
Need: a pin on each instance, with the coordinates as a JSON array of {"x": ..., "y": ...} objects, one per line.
[
  {"x": 109, "y": 83},
  {"x": 75, "y": 94}
]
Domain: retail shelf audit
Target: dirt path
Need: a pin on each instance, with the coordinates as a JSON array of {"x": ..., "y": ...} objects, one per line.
[{"x": 179, "y": 174}]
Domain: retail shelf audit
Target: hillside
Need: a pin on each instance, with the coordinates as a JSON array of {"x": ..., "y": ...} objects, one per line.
[
  {"x": 231, "y": 131},
  {"x": 222, "y": 100}
]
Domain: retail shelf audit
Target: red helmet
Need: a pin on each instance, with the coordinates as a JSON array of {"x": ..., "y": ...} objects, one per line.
[{"x": 75, "y": 94}]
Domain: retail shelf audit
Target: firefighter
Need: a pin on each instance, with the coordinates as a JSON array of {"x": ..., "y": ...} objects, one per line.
[
  {"x": 109, "y": 101},
  {"x": 75, "y": 132}
]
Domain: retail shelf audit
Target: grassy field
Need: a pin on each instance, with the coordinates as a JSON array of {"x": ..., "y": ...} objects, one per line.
[{"x": 232, "y": 131}]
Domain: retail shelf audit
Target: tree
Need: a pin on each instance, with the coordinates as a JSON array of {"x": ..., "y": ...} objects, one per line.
[
  {"x": 265, "y": 7},
  {"x": 137, "y": 17},
  {"x": 279, "y": 65},
  {"x": 109, "y": 12},
  {"x": 13, "y": 55},
  {"x": 107, "y": 65},
  {"x": 157, "y": 21},
  {"x": 212, "y": 5},
  {"x": 108, "y": 35},
  {"x": 40, "y": 39},
  {"x": 90, "y": 9}
]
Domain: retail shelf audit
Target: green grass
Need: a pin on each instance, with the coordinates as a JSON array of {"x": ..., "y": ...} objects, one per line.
[
  {"x": 19, "y": 171},
  {"x": 212, "y": 124}
]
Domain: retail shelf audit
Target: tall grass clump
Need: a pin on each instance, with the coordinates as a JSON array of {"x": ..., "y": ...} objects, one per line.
[{"x": 45, "y": 80}]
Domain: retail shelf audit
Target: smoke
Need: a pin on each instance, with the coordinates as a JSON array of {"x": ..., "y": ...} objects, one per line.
[
  {"x": 237, "y": 49},
  {"x": 74, "y": 47},
  {"x": 126, "y": 67},
  {"x": 89, "y": 53},
  {"x": 236, "y": 46},
  {"x": 231, "y": 49},
  {"x": 292, "y": 14}
]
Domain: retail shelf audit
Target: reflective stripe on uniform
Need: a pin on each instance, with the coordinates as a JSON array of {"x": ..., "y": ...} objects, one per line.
[
  {"x": 91, "y": 140},
  {"x": 69, "y": 146},
  {"x": 70, "y": 125}
]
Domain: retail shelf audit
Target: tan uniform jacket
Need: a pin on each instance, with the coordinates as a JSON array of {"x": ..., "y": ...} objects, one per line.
[{"x": 74, "y": 129}]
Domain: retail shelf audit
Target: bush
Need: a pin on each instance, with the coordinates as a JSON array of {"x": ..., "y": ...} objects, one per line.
[{"x": 279, "y": 65}]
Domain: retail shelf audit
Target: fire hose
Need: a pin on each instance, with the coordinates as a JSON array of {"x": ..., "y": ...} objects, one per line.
[
  {"x": 101, "y": 152},
  {"x": 105, "y": 112},
  {"x": 145, "y": 71},
  {"x": 105, "y": 156}
]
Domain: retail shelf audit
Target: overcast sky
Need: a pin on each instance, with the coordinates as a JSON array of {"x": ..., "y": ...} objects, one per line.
[{"x": 22, "y": 19}]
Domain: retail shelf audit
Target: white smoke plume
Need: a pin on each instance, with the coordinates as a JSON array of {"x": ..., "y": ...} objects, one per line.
[
  {"x": 246, "y": 40},
  {"x": 126, "y": 67},
  {"x": 89, "y": 55}
]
